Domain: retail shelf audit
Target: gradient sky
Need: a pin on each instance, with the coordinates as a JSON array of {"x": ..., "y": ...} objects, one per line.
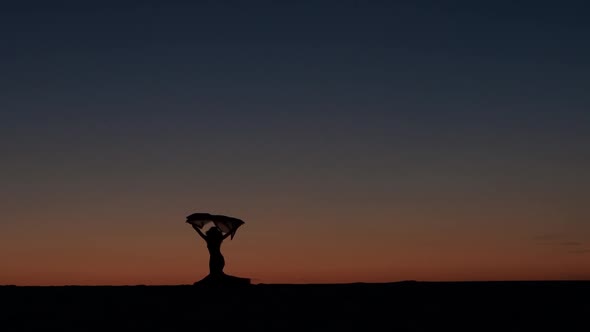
[{"x": 359, "y": 140}]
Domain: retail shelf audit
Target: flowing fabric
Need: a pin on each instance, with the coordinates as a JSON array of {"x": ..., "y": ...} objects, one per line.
[{"x": 224, "y": 223}]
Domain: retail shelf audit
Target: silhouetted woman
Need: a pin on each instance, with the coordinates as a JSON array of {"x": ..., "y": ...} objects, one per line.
[{"x": 214, "y": 237}]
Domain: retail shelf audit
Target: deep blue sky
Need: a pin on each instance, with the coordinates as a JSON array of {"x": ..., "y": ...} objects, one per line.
[{"x": 408, "y": 109}]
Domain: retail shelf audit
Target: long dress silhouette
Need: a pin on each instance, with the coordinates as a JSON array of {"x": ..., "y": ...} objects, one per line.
[
  {"x": 214, "y": 237},
  {"x": 223, "y": 227}
]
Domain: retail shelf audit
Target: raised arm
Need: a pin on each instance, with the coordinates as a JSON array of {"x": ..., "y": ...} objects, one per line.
[
  {"x": 200, "y": 232},
  {"x": 228, "y": 234}
]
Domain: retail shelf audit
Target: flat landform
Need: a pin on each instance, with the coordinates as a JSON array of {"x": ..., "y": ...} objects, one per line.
[{"x": 397, "y": 306}]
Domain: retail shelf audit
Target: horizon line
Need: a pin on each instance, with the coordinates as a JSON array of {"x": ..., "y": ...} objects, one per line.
[{"x": 323, "y": 283}]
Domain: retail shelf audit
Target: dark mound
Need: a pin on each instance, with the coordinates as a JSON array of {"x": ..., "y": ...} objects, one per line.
[
  {"x": 399, "y": 306},
  {"x": 222, "y": 280}
]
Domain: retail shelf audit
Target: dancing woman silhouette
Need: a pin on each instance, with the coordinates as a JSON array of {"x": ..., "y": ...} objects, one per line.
[{"x": 214, "y": 237}]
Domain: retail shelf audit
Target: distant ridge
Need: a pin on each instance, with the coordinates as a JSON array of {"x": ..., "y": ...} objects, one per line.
[{"x": 356, "y": 283}]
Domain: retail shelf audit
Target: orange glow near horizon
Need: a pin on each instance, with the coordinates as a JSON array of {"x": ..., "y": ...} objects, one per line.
[{"x": 289, "y": 251}]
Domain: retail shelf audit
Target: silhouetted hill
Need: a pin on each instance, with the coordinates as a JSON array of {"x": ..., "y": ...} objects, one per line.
[{"x": 398, "y": 306}]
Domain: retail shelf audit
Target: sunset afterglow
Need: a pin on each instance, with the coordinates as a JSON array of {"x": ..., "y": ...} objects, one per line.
[{"x": 359, "y": 143}]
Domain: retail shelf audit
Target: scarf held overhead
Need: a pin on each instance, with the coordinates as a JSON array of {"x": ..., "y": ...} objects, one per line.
[{"x": 224, "y": 223}]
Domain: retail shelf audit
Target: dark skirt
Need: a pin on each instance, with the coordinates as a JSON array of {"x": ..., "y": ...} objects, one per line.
[{"x": 216, "y": 264}]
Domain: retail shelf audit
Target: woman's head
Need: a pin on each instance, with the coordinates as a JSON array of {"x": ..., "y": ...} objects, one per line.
[{"x": 214, "y": 231}]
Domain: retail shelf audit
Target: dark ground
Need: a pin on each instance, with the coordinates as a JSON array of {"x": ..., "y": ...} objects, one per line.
[{"x": 399, "y": 306}]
